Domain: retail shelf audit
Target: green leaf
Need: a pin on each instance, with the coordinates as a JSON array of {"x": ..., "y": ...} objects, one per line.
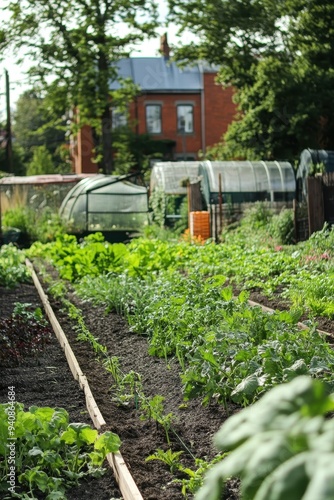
[
  {"x": 320, "y": 471},
  {"x": 246, "y": 389},
  {"x": 55, "y": 495},
  {"x": 213, "y": 484},
  {"x": 79, "y": 433},
  {"x": 299, "y": 367},
  {"x": 288, "y": 482},
  {"x": 227, "y": 293},
  {"x": 277, "y": 409},
  {"x": 35, "y": 451},
  {"x": 42, "y": 413},
  {"x": 41, "y": 479},
  {"x": 88, "y": 435},
  {"x": 108, "y": 442}
]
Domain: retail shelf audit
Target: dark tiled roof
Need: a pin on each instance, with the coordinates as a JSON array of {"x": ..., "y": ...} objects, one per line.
[{"x": 157, "y": 74}]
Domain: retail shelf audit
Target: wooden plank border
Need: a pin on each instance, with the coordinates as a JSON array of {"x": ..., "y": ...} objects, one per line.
[
  {"x": 301, "y": 325},
  {"x": 122, "y": 474}
]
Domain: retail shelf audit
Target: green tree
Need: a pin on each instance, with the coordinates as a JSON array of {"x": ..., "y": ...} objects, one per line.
[
  {"x": 279, "y": 58},
  {"x": 133, "y": 152},
  {"x": 78, "y": 43},
  {"x": 41, "y": 162},
  {"x": 35, "y": 125}
]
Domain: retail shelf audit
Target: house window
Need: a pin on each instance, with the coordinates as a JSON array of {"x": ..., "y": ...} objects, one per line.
[
  {"x": 153, "y": 119},
  {"x": 185, "y": 119},
  {"x": 118, "y": 118}
]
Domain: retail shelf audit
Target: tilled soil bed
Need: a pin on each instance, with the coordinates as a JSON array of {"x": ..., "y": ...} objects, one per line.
[{"x": 47, "y": 381}]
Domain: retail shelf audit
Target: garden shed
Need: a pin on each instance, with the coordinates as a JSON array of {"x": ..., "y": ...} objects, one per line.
[
  {"x": 247, "y": 181},
  {"x": 111, "y": 204}
]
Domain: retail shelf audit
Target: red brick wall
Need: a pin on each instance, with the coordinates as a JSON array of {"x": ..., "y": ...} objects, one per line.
[
  {"x": 169, "y": 102},
  {"x": 219, "y": 109}
]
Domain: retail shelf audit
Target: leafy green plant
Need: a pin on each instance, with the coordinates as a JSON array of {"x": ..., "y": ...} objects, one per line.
[
  {"x": 169, "y": 457},
  {"x": 158, "y": 206},
  {"x": 12, "y": 266},
  {"x": 153, "y": 408},
  {"x": 128, "y": 386},
  {"x": 43, "y": 225},
  {"x": 51, "y": 454},
  {"x": 282, "y": 227},
  {"x": 16, "y": 217},
  {"x": 258, "y": 215},
  {"x": 281, "y": 447},
  {"x": 227, "y": 349},
  {"x": 194, "y": 478}
]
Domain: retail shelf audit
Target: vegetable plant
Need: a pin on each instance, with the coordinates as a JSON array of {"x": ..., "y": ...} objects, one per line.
[
  {"x": 12, "y": 266},
  {"x": 169, "y": 457},
  {"x": 281, "y": 447},
  {"x": 51, "y": 454}
]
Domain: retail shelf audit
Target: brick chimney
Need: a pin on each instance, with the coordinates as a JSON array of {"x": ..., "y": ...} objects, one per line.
[{"x": 164, "y": 47}]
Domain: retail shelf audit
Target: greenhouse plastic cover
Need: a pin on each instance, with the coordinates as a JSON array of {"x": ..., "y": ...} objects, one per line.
[
  {"x": 247, "y": 176},
  {"x": 169, "y": 176}
]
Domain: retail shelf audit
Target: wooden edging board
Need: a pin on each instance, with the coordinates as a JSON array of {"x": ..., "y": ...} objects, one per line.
[{"x": 123, "y": 477}]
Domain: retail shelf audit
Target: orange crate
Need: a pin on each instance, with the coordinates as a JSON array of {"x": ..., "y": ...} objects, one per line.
[{"x": 199, "y": 223}]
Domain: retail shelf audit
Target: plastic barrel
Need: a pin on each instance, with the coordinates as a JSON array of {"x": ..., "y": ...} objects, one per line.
[{"x": 200, "y": 224}]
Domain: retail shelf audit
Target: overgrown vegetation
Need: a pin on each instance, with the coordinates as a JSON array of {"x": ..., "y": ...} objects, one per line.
[
  {"x": 35, "y": 225},
  {"x": 173, "y": 293}
]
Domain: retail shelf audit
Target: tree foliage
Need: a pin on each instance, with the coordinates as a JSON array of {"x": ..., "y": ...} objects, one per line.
[
  {"x": 279, "y": 58},
  {"x": 75, "y": 45},
  {"x": 36, "y": 126}
]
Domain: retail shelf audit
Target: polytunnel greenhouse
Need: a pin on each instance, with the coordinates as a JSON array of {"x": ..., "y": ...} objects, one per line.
[
  {"x": 247, "y": 181},
  {"x": 110, "y": 204},
  {"x": 169, "y": 180},
  {"x": 172, "y": 177}
]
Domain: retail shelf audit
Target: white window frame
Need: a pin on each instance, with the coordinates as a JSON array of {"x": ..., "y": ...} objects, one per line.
[
  {"x": 153, "y": 123},
  {"x": 185, "y": 118}
]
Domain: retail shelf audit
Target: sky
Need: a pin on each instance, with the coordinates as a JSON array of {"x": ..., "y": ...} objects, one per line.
[{"x": 18, "y": 82}]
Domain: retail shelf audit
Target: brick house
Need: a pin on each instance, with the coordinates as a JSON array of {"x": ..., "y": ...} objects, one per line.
[{"x": 184, "y": 106}]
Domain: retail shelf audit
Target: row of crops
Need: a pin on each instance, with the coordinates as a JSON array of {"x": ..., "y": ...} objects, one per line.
[
  {"x": 181, "y": 297},
  {"x": 190, "y": 301}
]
